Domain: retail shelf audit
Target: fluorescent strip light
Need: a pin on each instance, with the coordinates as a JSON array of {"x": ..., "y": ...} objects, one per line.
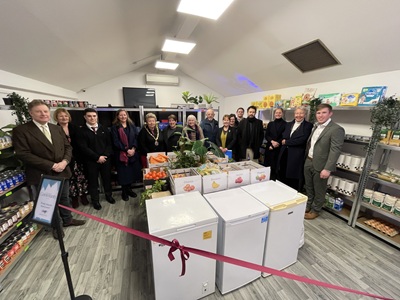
[
  {"x": 211, "y": 9},
  {"x": 177, "y": 46},
  {"x": 166, "y": 65}
]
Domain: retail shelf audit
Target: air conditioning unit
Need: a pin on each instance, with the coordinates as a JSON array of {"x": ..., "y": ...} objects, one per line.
[{"x": 160, "y": 79}]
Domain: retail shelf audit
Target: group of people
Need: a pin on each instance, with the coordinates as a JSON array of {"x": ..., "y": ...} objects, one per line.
[{"x": 297, "y": 152}]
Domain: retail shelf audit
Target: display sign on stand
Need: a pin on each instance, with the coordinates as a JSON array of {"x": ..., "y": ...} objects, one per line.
[{"x": 45, "y": 213}]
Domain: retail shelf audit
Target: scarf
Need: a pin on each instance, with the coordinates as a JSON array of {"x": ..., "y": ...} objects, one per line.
[{"x": 123, "y": 157}]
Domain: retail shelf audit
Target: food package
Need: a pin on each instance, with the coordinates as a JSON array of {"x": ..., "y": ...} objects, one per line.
[
  {"x": 395, "y": 139},
  {"x": 370, "y": 96},
  {"x": 331, "y": 99},
  {"x": 389, "y": 202},
  {"x": 308, "y": 95},
  {"x": 350, "y": 99},
  {"x": 385, "y": 136}
]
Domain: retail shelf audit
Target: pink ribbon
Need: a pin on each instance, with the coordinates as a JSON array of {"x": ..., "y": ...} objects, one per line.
[
  {"x": 184, "y": 254},
  {"x": 222, "y": 258}
]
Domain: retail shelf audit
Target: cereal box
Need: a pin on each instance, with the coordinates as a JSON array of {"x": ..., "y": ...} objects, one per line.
[{"x": 332, "y": 99}]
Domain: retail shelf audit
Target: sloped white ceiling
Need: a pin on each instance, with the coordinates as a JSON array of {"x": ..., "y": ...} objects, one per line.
[{"x": 77, "y": 44}]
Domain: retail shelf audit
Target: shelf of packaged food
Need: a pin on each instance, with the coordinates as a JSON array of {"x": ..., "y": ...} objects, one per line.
[
  {"x": 7, "y": 149},
  {"x": 12, "y": 190},
  {"x": 11, "y": 229},
  {"x": 348, "y": 171},
  {"x": 389, "y": 147},
  {"x": 347, "y": 197},
  {"x": 392, "y": 240},
  {"x": 357, "y": 142},
  {"x": 385, "y": 183},
  {"x": 344, "y": 213},
  {"x": 380, "y": 211},
  {"x": 19, "y": 255}
]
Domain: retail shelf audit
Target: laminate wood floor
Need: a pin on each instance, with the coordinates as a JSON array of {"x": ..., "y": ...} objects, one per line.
[{"x": 110, "y": 264}]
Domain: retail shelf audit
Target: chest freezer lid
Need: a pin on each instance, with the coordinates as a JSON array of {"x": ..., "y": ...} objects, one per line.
[
  {"x": 275, "y": 194},
  {"x": 236, "y": 204},
  {"x": 178, "y": 212}
]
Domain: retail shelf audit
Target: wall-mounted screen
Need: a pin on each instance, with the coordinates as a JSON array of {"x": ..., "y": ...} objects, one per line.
[{"x": 134, "y": 97}]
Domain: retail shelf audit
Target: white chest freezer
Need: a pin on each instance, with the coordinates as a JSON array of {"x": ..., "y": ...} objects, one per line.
[
  {"x": 191, "y": 220},
  {"x": 286, "y": 217},
  {"x": 242, "y": 229}
]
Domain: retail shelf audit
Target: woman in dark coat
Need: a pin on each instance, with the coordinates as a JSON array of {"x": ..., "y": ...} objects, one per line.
[
  {"x": 171, "y": 134},
  {"x": 292, "y": 153},
  {"x": 273, "y": 135},
  {"x": 123, "y": 133},
  {"x": 226, "y": 136},
  {"x": 150, "y": 138}
]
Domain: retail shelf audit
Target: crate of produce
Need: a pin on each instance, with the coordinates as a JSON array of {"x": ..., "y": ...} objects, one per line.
[
  {"x": 213, "y": 178},
  {"x": 184, "y": 181},
  {"x": 217, "y": 160},
  {"x": 157, "y": 159},
  {"x": 258, "y": 172},
  {"x": 237, "y": 176},
  {"x": 151, "y": 175}
]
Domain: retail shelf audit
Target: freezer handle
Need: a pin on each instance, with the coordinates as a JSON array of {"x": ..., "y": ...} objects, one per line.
[
  {"x": 246, "y": 219},
  {"x": 186, "y": 227}
]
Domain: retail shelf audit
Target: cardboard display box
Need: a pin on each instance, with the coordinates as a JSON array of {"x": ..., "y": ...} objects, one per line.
[
  {"x": 148, "y": 183},
  {"x": 237, "y": 176},
  {"x": 258, "y": 172},
  {"x": 189, "y": 182},
  {"x": 154, "y": 154}
]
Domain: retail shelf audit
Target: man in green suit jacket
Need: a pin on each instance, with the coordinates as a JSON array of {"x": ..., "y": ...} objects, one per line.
[{"x": 324, "y": 147}]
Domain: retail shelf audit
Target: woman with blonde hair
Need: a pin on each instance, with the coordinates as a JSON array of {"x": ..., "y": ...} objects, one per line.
[
  {"x": 150, "y": 138},
  {"x": 192, "y": 130},
  {"x": 123, "y": 133},
  {"x": 78, "y": 184}
]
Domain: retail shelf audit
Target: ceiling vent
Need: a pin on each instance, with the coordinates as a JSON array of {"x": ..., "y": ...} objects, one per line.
[
  {"x": 312, "y": 56},
  {"x": 161, "y": 79}
]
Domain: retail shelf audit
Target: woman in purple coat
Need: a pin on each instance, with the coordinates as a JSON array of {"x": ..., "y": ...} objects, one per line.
[{"x": 292, "y": 153}]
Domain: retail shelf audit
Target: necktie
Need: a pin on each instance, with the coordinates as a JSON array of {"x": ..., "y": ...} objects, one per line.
[
  {"x": 47, "y": 133},
  {"x": 94, "y": 129}
]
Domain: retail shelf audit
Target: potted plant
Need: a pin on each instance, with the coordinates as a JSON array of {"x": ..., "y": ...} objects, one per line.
[
  {"x": 188, "y": 98},
  {"x": 20, "y": 107},
  {"x": 209, "y": 99}
]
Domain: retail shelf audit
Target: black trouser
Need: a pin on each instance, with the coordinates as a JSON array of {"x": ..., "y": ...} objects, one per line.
[{"x": 92, "y": 171}]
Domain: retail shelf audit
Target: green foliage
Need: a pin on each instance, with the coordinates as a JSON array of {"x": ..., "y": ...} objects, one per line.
[
  {"x": 313, "y": 108},
  {"x": 386, "y": 113},
  {"x": 210, "y": 98},
  {"x": 20, "y": 106},
  {"x": 157, "y": 187},
  {"x": 188, "y": 98},
  {"x": 191, "y": 154}
]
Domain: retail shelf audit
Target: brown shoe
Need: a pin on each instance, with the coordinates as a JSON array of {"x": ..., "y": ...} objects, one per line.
[
  {"x": 75, "y": 222},
  {"x": 311, "y": 215},
  {"x": 308, "y": 209}
]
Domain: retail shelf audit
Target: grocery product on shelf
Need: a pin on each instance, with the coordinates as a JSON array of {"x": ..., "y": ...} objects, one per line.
[{"x": 382, "y": 226}]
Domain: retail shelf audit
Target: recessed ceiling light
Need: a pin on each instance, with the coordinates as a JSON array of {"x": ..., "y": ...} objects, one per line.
[
  {"x": 211, "y": 9},
  {"x": 177, "y": 46},
  {"x": 166, "y": 65}
]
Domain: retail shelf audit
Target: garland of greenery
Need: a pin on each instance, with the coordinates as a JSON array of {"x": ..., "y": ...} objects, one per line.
[
  {"x": 20, "y": 106},
  {"x": 313, "y": 108}
]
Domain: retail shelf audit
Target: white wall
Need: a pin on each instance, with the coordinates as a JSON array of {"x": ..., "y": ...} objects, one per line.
[
  {"x": 110, "y": 92},
  {"x": 354, "y": 122},
  {"x": 28, "y": 88}
]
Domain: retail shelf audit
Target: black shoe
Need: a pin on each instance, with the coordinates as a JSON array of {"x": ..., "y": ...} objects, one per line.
[
  {"x": 75, "y": 222},
  {"x": 125, "y": 197},
  {"x": 131, "y": 193},
  {"x": 110, "y": 199},
  {"x": 96, "y": 205},
  {"x": 55, "y": 234}
]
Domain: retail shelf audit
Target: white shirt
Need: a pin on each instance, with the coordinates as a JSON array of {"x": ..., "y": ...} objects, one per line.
[
  {"x": 96, "y": 126},
  {"x": 40, "y": 126},
  {"x": 317, "y": 132},
  {"x": 295, "y": 126}
]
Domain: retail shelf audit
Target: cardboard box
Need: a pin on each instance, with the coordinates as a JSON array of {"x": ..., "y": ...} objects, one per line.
[
  {"x": 332, "y": 99},
  {"x": 148, "y": 183},
  {"x": 217, "y": 160},
  {"x": 237, "y": 176},
  {"x": 160, "y": 194},
  {"x": 349, "y": 99},
  {"x": 370, "y": 96},
  {"x": 258, "y": 173},
  {"x": 189, "y": 183},
  {"x": 158, "y": 164},
  {"x": 214, "y": 182}
]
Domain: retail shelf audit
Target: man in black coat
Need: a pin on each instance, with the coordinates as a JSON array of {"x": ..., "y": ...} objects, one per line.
[
  {"x": 96, "y": 148},
  {"x": 250, "y": 135}
]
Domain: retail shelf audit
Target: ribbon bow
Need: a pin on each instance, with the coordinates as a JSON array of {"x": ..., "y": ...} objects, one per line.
[{"x": 184, "y": 254}]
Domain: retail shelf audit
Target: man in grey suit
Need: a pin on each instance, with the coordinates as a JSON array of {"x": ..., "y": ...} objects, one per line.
[
  {"x": 324, "y": 146},
  {"x": 44, "y": 149}
]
